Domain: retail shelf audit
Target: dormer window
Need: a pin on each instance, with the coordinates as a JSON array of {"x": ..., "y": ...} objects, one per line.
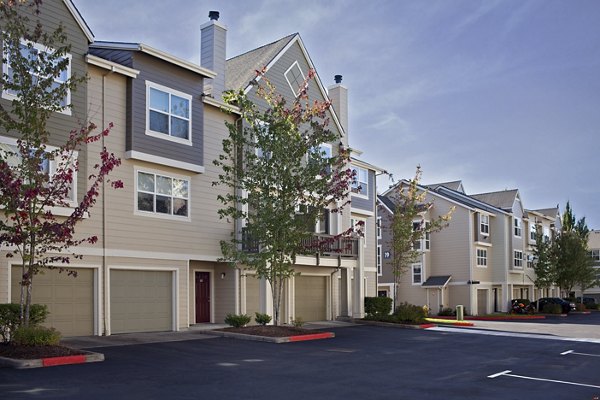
[
  {"x": 168, "y": 113},
  {"x": 295, "y": 78}
]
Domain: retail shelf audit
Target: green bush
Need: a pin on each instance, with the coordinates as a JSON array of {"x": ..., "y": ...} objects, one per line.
[
  {"x": 580, "y": 307},
  {"x": 297, "y": 322},
  {"x": 406, "y": 312},
  {"x": 10, "y": 318},
  {"x": 552, "y": 309},
  {"x": 35, "y": 335},
  {"x": 262, "y": 319},
  {"x": 376, "y": 306},
  {"x": 446, "y": 312},
  {"x": 237, "y": 320}
]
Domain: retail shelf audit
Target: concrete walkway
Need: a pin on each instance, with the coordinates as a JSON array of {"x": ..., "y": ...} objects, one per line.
[{"x": 562, "y": 330}]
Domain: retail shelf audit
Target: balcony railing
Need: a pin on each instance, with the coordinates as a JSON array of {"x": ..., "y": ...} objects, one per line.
[{"x": 323, "y": 245}]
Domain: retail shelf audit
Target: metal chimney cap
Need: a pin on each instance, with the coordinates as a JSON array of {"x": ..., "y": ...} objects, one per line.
[
  {"x": 213, "y": 15},
  {"x": 337, "y": 78}
]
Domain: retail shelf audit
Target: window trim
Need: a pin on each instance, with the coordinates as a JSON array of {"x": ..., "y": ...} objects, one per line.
[
  {"x": 285, "y": 74},
  {"x": 412, "y": 269},
  {"x": 532, "y": 232},
  {"x": 379, "y": 263},
  {"x": 357, "y": 177},
  {"x": 160, "y": 135},
  {"x": 483, "y": 256},
  {"x": 378, "y": 228},
  {"x": 354, "y": 220},
  {"x": 486, "y": 224},
  {"x": 154, "y": 214},
  {"x": 517, "y": 226},
  {"x": 9, "y": 96},
  {"x": 518, "y": 260}
]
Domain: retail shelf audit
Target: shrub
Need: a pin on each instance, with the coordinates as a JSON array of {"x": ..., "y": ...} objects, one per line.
[
  {"x": 552, "y": 309},
  {"x": 262, "y": 319},
  {"x": 525, "y": 302},
  {"x": 237, "y": 320},
  {"x": 297, "y": 322},
  {"x": 447, "y": 312},
  {"x": 580, "y": 307},
  {"x": 406, "y": 312},
  {"x": 10, "y": 318},
  {"x": 377, "y": 306},
  {"x": 35, "y": 335}
]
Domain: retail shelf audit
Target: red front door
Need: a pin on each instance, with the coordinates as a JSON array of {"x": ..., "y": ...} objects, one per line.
[{"x": 202, "y": 297}]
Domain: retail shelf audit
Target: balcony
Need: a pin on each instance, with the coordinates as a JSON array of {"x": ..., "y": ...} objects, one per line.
[{"x": 318, "y": 244}]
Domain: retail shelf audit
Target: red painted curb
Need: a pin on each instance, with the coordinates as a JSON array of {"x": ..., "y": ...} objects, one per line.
[
  {"x": 53, "y": 361},
  {"x": 425, "y": 326},
  {"x": 314, "y": 336}
]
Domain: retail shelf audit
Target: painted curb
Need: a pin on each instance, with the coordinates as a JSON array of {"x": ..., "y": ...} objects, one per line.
[
  {"x": 394, "y": 325},
  {"x": 86, "y": 357},
  {"x": 269, "y": 339}
]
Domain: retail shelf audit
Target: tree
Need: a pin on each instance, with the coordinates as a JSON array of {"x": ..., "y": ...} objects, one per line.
[
  {"x": 37, "y": 178},
  {"x": 282, "y": 180},
  {"x": 574, "y": 266},
  {"x": 408, "y": 225},
  {"x": 544, "y": 265}
]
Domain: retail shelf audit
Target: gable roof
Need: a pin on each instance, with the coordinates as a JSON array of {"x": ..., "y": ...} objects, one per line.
[
  {"x": 467, "y": 200},
  {"x": 144, "y": 48},
  {"x": 548, "y": 212},
  {"x": 503, "y": 199},
  {"x": 240, "y": 71},
  {"x": 387, "y": 203},
  {"x": 453, "y": 185},
  {"x": 80, "y": 21}
]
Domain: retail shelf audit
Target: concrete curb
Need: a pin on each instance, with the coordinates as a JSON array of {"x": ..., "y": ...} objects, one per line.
[
  {"x": 394, "y": 325},
  {"x": 269, "y": 339},
  {"x": 86, "y": 357}
]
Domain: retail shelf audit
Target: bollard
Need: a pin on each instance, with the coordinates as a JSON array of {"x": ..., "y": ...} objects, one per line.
[{"x": 460, "y": 313}]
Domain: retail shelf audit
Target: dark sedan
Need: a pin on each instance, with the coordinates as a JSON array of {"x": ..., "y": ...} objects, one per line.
[{"x": 566, "y": 306}]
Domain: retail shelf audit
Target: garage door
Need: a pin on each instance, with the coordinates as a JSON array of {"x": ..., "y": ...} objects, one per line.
[
  {"x": 70, "y": 300},
  {"x": 252, "y": 296},
  {"x": 311, "y": 295},
  {"x": 141, "y": 301}
]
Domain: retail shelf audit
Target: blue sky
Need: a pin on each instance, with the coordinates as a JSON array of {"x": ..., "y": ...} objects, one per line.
[{"x": 501, "y": 94}]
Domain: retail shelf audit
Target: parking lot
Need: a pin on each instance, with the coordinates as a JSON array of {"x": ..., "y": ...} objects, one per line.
[{"x": 362, "y": 362}]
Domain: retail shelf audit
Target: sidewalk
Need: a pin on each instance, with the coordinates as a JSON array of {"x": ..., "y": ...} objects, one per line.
[
  {"x": 561, "y": 330},
  {"x": 194, "y": 332}
]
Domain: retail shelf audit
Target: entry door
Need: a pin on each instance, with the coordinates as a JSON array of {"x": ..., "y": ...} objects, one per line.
[{"x": 202, "y": 297}]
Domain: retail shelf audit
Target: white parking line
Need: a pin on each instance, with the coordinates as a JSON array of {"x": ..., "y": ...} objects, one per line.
[
  {"x": 511, "y": 334},
  {"x": 508, "y": 373},
  {"x": 564, "y": 353}
]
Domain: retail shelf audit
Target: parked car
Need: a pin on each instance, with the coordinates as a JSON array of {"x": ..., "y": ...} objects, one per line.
[
  {"x": 566, "y": 306},
  {"x": 588, "y": 301}
]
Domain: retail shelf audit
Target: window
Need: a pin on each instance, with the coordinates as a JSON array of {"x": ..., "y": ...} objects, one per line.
[
  {"x": 360, "y": 182},
  {"x": 518, "y": 259},
  {"x": 379, "y": 260},
  {"x": 417, "y": 274},
  {"x": 359, "y": 224},
  {"x": 322, "y": 226},
  {"x": 532, "y": 232},
  {"x": 9, "y": 149},
  {"x": 517, "y": 225},
  {"x": 481, "y": 257},
  {"x": 169, "y": 113},
  {"x": 162, "y": 195},
  {"x": 378, "y": 228},
  {"x": 33, "y": 51},
  {"x": 417, "y": 227},
  {"x": 295, "y": 78},
  {"x": 484, "y": 224},
  {"x": 427, "y": 236},
  {"x": 595, "y": 254},
  {"x": 530, "y": 261},
  {"x": 546, "y": 233}
]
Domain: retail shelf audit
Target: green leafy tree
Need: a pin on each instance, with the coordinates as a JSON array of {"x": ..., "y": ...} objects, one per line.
[
  {"x": 30, "y": 190},
  {"x": 408, "y": 225},
  {"x": 281, "y": 182},
  {"x": 544, "y": 265}
]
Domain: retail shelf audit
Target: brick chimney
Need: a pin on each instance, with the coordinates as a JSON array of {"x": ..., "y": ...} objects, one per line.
[
  {"x": 213, "y": 38},
  {"x": 338, "y": 94}
]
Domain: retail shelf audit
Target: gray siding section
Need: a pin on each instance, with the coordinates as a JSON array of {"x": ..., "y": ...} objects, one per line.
[
  {"x": 387, "y": 275},
  {"x": 367, "y": 204},
  {"x": 212, "y": 56},
  {"x": 163, "y": 73}
]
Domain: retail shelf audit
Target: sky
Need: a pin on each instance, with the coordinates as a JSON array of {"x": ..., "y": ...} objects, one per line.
[{"x": 498, "y": 94}]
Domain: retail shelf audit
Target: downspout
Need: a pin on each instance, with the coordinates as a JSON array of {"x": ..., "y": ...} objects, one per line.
[
  {"x": 104, "y": 230},
  {"x": 472, "y": 220}
]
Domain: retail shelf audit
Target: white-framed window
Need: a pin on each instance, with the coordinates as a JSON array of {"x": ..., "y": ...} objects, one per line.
[
  {"x": 484, "y": 224},
  {"x": 532, "y": 232},
  {"x": 529, "y": 260},
  {"x": 360, "y": 182},
  {"x": 33, "y": 50},
  {"x": 518, "y": 259},
  {"x": 354, "y": 221},
  {"x": 162, "y": 195},
  {"x": 322, "y": 225},
  {"x": 427, "y": 238},
  {"x": 48, "y": 166},
  {"x": 295, "y": 78},
  {"x": 517, "y": 227},
  {"x": 417, "y": 274},
  {"x": 169, "y": 113},
  {"x": 379, "y": 260},
  {"x": 595, "y": 254},
  {"x": 417, "y": 245},
  {"x": 546, "y": 233},
  {"x": 378, "y": 228},
  {"x": 482, "y": 257}
]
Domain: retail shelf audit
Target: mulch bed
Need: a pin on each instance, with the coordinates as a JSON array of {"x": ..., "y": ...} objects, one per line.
[
  {"x": 35, "y": 352},
  {"x": 271, "y": 331}
]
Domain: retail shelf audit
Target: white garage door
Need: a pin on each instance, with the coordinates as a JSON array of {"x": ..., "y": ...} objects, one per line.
[
  {"x": 70, "y": 299},
  {"x": 311, "y": 298},
  {"x": 141, "y": 301}
]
